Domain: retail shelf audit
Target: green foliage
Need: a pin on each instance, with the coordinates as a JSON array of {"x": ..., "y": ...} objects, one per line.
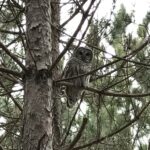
[
  {"x": 106, "y": 114},
  {"x": 143, "y": 28},
  {"x": 121, "y": 21},
  {"x": 11, "y": 22},
  {"x": 118, "y": 33}
]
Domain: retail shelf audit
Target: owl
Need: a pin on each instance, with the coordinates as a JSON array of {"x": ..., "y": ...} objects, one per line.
[{"x": 79, "y": 63}]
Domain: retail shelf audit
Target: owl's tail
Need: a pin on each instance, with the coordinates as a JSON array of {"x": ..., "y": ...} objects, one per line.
[{"x": 73, "y": 94}]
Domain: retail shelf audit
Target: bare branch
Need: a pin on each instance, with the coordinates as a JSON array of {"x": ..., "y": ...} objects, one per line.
[
  {"x": 89, "y": 22},
  {"x": 73, "y": 118},
  {"x": 2, "y": 5},
  {"x": 107, "y": 93},
  {"x": 9, "y": 32},
  {"x": 14, "y": 73},
  {"x": 73, "y": 15},
  {"x": 9, "y": 92},
  {"x": 79, "y": 134},
  {"x": 9, "y": 77}
]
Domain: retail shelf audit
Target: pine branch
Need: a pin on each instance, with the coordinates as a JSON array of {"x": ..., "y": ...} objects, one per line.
[
  {"x": 97, "y": 141},
  {"x": 9, "y": 94},
  {"x": 12, "y": 56}
]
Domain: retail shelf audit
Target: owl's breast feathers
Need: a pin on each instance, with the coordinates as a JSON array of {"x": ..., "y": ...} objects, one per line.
[
  {"x": 76, "y": 67},
  {"x": 82, "y": 66}
]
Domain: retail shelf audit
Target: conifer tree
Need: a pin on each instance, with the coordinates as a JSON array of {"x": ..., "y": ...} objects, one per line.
[{"x": 113, "y": 112}]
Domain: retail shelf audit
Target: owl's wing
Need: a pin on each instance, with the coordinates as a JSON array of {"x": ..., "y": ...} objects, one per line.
[{"x": 68, "y": 70}]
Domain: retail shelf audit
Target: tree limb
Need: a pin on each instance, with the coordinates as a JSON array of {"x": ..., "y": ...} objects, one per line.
[
  {"x": 102, "y": 92},
  {"x": 14, "y": 73}
]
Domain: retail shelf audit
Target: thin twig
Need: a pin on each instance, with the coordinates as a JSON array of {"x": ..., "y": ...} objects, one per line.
[
  {"x": 89, "y": 23},
  {"x": 73, "y": 15}
]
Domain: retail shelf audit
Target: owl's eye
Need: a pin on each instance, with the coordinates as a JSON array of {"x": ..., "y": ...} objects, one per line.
[
  {"x": 80, "y": 53},
  {"x": 87, "y": 54}
]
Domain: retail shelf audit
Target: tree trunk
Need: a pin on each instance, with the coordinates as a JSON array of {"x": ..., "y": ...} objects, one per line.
[
  {"x": 56, "y": 74},
  {"x": 39, "y": 114}
]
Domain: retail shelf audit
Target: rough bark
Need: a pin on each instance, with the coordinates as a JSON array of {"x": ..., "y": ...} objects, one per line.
[
  {"x": 37, "y": 115},
  {"x": 56, "y": 74}
]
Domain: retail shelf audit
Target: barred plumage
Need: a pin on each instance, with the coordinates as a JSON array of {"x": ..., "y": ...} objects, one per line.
[{"x": 79, "y": 63}]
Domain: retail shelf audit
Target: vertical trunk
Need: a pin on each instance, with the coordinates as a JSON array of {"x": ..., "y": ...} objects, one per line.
[
  {"x": 38, "y": 114},
  {"x": 56, "y": 73}
]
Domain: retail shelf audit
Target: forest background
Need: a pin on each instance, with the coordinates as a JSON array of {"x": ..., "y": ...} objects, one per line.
[{"x": 113, "y": 113}]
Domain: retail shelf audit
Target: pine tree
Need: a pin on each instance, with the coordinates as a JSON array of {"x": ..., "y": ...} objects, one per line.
[{"x": 112, "y": 112}]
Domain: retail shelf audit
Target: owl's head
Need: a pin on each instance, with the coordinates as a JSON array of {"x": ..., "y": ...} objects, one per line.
[{"x": 84, "y": 54}]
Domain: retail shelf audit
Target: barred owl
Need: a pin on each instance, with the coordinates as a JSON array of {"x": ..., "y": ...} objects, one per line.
[{"x": 79, "y": 63}]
